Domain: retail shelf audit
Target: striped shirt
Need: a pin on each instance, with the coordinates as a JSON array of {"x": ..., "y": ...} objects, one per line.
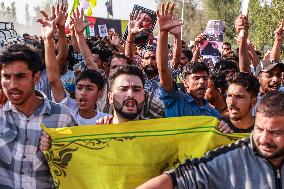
[{"x": 22, "y": 164}]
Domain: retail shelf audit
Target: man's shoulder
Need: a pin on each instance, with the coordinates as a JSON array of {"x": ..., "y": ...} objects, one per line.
[{"x": 229, "y": 151}]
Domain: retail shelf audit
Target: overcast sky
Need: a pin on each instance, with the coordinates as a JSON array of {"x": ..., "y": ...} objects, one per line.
[{"x": 121, "y": 8}]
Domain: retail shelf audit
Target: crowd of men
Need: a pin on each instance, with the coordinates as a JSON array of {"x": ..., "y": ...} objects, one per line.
[{"x": 64, "y": 80}]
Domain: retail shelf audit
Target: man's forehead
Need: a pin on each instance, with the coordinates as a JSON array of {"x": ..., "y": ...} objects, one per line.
[
  {"x": 274, "y": 122},
  {"x": 237, "y": 89},
  {"x": 15, "y": 67},
  {"x": 199, "y": 73},
  {"x": 117, "y": 60},
  {"x": 128, "y": 80}
]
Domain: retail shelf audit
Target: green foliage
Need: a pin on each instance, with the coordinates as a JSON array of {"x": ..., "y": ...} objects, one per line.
[
  {"x": 227, "y": 10},
  {"x": 264, "y": 19}
]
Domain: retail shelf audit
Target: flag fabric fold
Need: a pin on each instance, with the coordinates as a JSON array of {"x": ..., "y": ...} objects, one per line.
[{"x": 126, "y": 155}]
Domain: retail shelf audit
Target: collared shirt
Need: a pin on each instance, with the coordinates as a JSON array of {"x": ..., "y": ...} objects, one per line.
[
  {"x": 183, "y": 104},
  {"x": 22, "y": 164}
]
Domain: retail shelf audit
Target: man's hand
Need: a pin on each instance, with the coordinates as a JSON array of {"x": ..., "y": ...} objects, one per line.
[
  {"x": 167, "y": 21},
  {"x": 61, "y": 15},
  {"x": 45, "y": 142},
  {"x": 104, "y": 120},
  {"x": 77, "y": 19},
  {"x": 224, "y": 127},
  {"x": 242, "y": 23},
  {"x": 134, "y": 24},
  {"x": 279, "y": 32},
  {"x": 48, "y": 24}
]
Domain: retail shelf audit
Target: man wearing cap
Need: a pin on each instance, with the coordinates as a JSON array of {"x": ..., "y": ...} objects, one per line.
[{"x": 269, "y": 73}]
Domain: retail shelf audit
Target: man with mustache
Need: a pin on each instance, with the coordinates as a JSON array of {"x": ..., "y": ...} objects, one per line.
[
  {"x": 149, "y": 66},
  {"x": 195, "y": 75},
  {"x": 22, "y": 163},
  {"x": 253, "y": 162},
  {"x": 127, "y": 95},
  {"x": 241, "y": 98}
]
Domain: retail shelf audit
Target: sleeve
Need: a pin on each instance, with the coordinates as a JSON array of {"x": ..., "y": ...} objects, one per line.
[
  {"x": 67, "y": 101},
  {"x": 170, "y": 98},
  {"x": 195, "y": 174},
  {"x": 175, "y": 103}
]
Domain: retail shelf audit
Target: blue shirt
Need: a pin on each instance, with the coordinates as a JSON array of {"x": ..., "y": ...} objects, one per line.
[{"x": 183, "y": 104}]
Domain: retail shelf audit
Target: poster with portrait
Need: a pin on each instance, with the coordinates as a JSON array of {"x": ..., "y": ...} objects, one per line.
[
  {"x": 214, "y": 34},
  {"x": 142, "y": 38},
  {"x": 103, "y": 30}
]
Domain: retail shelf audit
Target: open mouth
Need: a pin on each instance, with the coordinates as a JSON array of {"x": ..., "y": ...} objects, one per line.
[
  {"x": 82, "y": 101},
  {"x": 129, "y": 103},
  {"x": 15, "y": 94},
  {"x": 273, "y": 87}
]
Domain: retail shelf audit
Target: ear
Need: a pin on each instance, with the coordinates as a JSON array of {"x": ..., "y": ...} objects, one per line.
[
  {"x": 110, "y": 97},
  {"x": 185, "y": 83},
  {"x": 100, "y": 94},
  {"x": 36, "y": 78},
  {"x": 219, "y": 92},
  {"x": 254, "y": 101}
]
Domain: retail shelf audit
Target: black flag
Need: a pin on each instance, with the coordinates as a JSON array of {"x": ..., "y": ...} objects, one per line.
[{"x": 109, "y": 7}]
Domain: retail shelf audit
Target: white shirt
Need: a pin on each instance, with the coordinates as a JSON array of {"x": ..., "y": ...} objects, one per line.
[{"x": 72, "y": 105}]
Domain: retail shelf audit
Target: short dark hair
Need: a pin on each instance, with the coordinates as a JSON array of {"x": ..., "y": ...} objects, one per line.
[
  {"x": 126, "y": 69},
  {"x": 227, "y": 43},
  {"x": 219, "y": 81},
  {"x": 272, "y": 104},
  {"x": 123, "y": 56},
  {"x": 94, "y": 77},
  {"x": 223, "y": 65},
  {"x": 188, "y": 54},
  {"x": 17, "y": 52},
  {"x": 104, "y": 53},
  {"x": 194, "y": 68},
  {"x": 248, "y": 81}
]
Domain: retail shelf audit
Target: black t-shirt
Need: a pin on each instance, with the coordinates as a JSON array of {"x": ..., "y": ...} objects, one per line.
[{"x": 234, "y": 128}]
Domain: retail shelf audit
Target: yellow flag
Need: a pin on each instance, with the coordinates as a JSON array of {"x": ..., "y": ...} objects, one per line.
[
  {"x": 126, "y": 155},
  {"x": 93, "y": 2}
]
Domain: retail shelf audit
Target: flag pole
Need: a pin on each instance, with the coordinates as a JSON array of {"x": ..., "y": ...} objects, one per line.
[{"x": 182, "y": 16}]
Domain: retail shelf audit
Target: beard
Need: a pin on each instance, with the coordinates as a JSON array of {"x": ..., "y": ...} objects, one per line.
[
  {"x": 275, "y": 155},
  {"x": 128, "y": 115},
  {"x": 151, "y": 70}
]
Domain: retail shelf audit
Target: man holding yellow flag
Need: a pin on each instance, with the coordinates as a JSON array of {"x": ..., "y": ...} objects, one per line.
[{"x": 255, "y": 162}]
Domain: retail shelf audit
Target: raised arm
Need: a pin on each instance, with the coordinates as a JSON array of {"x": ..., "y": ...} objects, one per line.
[
  {"x": 61, "y": 14},
  {"x": 252, "y": 54},
  {"x": 74, "y": 41},
  {"x": 244, "y": 61},
  {"x": 276, "y": 49},
  {"x": 176, "y": 32},
  {"x": 134, "y": 27},
  {"x": 48, "y": 28},
  {"x": 80, "y": 26},
  {"x": 115, "y": 41},
  {"x": 167, "y": 22}
]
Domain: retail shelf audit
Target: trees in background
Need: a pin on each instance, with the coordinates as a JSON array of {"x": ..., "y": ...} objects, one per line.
[{"x": 264, "y": 17}]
